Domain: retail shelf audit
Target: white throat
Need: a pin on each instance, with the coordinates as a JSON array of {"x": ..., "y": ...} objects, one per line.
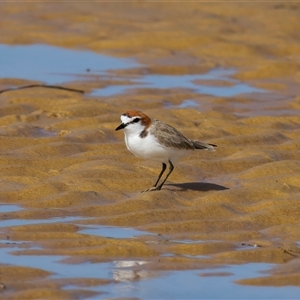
[{"x": 132, "y": 129}]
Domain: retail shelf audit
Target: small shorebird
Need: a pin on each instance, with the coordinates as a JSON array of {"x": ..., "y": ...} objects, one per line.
[{"x": 155, "y": 140}]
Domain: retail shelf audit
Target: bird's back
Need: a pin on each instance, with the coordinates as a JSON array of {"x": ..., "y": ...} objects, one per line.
[{"x": 169, "y": 136}]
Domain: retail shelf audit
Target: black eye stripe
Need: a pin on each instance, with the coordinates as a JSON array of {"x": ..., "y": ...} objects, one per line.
[{"x": 135, "y": 120}]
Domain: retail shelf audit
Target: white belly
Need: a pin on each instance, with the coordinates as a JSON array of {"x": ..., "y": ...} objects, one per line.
[{"x": 149, "y": 148}]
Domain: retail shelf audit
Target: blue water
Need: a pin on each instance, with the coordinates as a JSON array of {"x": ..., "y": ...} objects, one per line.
[
  {"x": 53, "y": 264},
  {"x": 111, "y": 231},
  {"x": 183, "y": 104},
  {"x": 4, "y": 208},
  {"x": 21, "y": 222},
  {"x": 96, "y": 230},
  {"x": 158, "y": 81},
  {"x": 131, "y": 279},
  {"x": 136, "y": 278},
  {"x": 54, "y": 65},
  {"x": 189, "y": 285}
]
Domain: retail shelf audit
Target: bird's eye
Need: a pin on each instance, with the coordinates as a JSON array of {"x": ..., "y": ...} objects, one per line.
[{"x": 135, "y": 120}]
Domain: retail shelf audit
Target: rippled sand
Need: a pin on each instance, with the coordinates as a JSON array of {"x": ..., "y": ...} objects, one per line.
[{"x": 60, "y": 156}]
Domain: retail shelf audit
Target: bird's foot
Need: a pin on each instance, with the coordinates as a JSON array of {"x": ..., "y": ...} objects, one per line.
[{"x": 151, "y": 189}]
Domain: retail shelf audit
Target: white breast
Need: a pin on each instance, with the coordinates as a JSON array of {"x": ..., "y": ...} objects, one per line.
[{"x": 149, "y": 148}]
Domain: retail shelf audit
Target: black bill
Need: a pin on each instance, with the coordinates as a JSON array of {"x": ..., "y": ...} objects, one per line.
[{"x": 121, "y": 126}]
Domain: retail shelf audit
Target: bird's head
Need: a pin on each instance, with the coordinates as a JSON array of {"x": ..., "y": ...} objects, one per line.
[{"x": 134, "y": 121}]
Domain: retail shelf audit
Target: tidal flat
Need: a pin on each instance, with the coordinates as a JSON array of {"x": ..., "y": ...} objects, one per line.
[{"x": 73, "y": 223}]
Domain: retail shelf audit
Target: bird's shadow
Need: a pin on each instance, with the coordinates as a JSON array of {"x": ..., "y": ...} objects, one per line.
[{"x": 198, "y": 186}]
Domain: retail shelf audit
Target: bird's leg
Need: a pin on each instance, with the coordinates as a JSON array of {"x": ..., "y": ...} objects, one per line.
[
  {"x": 153, "y": 188},
  {"x": 157, "y": 188},
  {"x": 170, "y": 171},
  {"x": 164, "y": 166}
]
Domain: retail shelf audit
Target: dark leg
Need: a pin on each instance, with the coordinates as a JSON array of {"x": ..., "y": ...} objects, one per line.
[
  {"x": 170, "y": 171},
  {"x": 164, "y": 166},
  {"x": 154, "y": 188}
]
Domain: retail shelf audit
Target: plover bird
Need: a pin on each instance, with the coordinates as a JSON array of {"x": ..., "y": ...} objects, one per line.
[{"x": 155, "y": 140}]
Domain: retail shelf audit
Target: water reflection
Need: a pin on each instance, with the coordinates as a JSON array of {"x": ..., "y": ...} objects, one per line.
[
  {"x": 124, "y": 270},
  {"x": 190, "y": 284}
]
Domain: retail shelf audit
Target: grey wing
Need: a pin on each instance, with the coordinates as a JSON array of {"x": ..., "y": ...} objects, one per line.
[{"x": 169, "y": 136}]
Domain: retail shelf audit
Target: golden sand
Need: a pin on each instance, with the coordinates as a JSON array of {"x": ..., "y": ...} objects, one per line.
[{"x": 61, "y": 157}]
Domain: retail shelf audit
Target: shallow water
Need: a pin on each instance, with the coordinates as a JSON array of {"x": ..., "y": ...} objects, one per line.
[
  {"x": 158, "y": 81},
  {"x": 4, "y": 208},
  {"x": 54, "y": 65},
  {"x": 20, "y": 222},
  {"x": 183, "y": 104},
  {"x": 52, "y": 263},
  {"x": 111, "y": 232},
  {"x": 189, "y": 285},
  {"x": 132, "y": 280}
]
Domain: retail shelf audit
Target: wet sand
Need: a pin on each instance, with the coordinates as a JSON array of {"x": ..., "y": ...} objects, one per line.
[{"x": 61, "y": 158}]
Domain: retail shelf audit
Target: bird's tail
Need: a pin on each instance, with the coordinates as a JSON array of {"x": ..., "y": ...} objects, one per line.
[{"x": 203, "y": 146}]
